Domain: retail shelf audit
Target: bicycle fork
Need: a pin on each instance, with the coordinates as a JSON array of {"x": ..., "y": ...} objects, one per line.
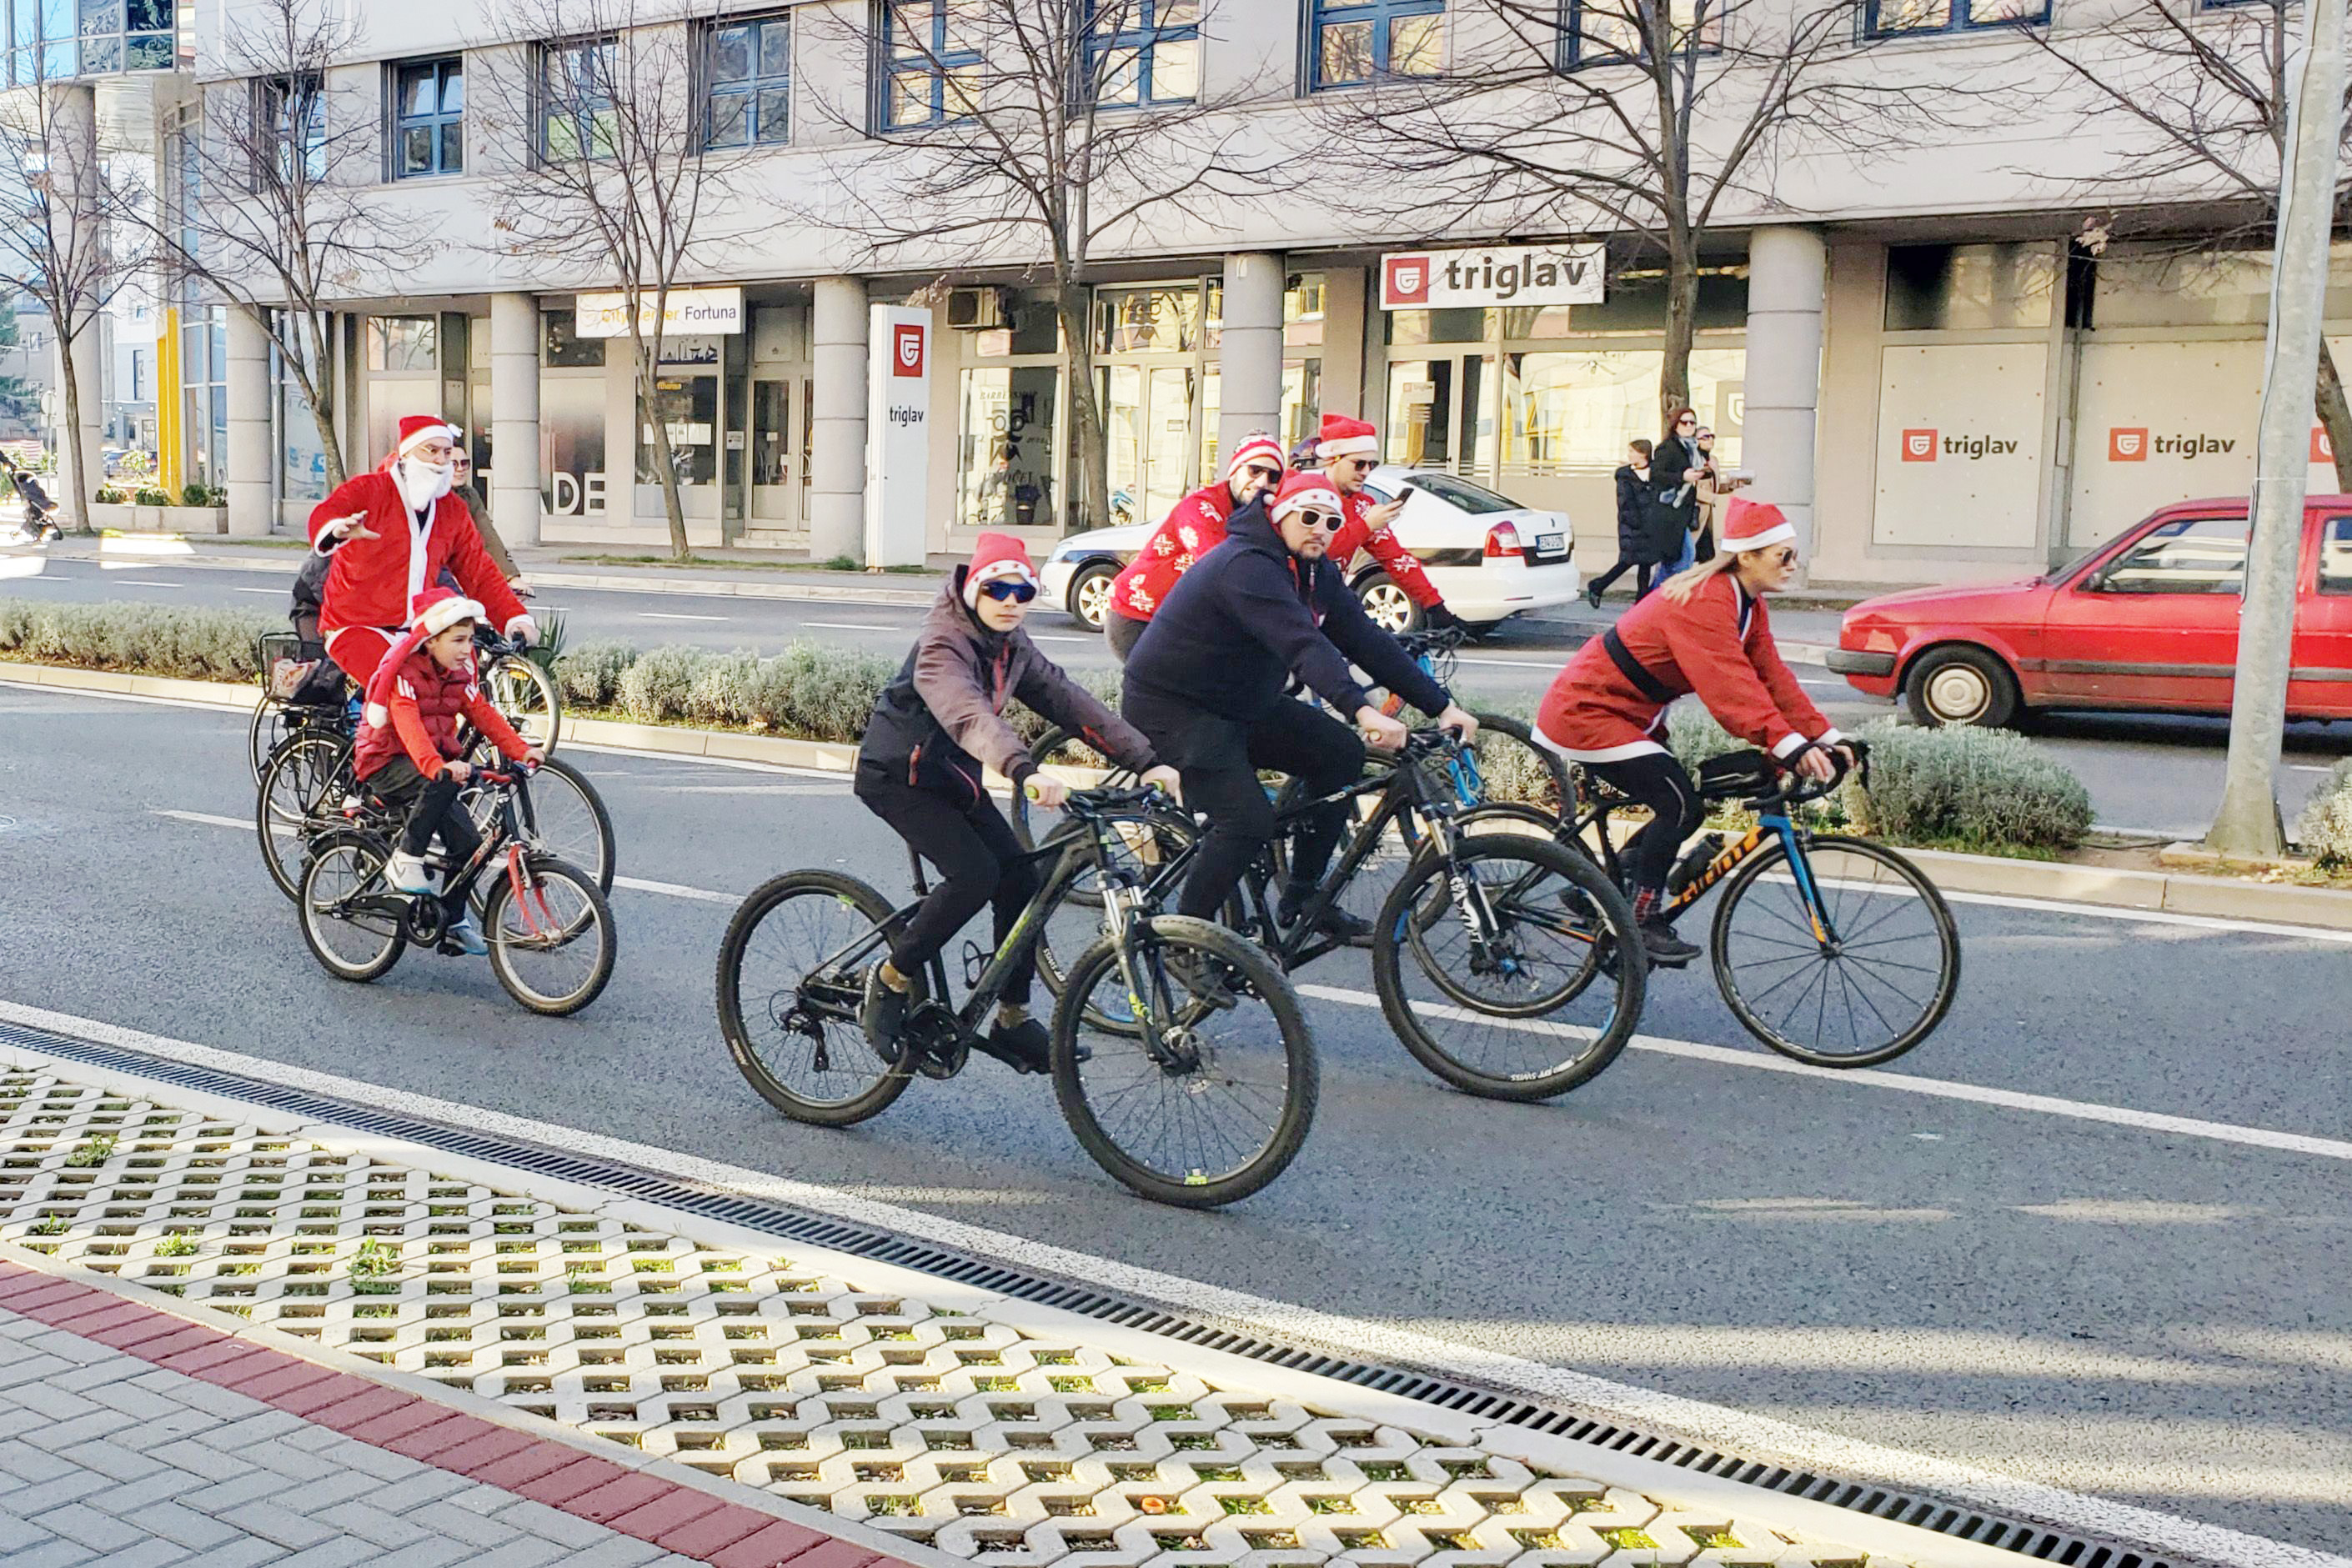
[{"x": 1817, "y": 909}]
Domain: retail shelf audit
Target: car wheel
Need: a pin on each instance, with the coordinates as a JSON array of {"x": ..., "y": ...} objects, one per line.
[
  {"x": 1390, "y": 608},
  {"x": 1961, "y": 685},
  {"x": 1090, "y": 595}
]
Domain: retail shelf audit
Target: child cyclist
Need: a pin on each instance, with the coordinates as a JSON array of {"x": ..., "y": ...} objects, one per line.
[
  {"x": 408, "y": 753},
  {"x": 919, "y": 766}
]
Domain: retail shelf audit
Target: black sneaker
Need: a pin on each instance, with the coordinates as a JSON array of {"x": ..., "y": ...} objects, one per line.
[
  {"x": 1025, "y": 1047},
  {"x": 1592, "y": 597},
  {"x": 884, "y": 1014},
  {"x": 1336, "y": 924},
  {"x": 1665, "y": 949}
]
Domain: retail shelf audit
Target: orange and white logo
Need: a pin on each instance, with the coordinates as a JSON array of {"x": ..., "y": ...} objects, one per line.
[
  {"x": 1918, "y": 446},
  {"x": 2322, "y": 449},
  {"x": 908, "y": 342},
  {"x": 1407, "y": 280},
  {"x": 2127, "y": 445}
]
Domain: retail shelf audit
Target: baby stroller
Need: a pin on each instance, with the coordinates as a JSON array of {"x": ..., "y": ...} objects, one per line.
[{"x": 40, "y": 525}]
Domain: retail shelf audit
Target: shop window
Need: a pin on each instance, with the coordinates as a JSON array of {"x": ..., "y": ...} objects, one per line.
[
  {"x": 1352, "y": 42},
  {"x": 1463, "y": 325},
  {"x": 402, "y": 343},
  {"x": 1147, "y": 321},
  {"x": 2336, "y": 555},
  {"x": 576, "y": 118},
  {"x": 1891, "y": 19},
  {"x": 749, "y": 71},
  {"x": 560, "y": 347},
  {"x": 572, "y": 446},
  {"x": 294, "y": 112},
  {"x": 1577, "y": 409},
  {"x": 1004, "y": 470},
  {"x": 931, "y": 61},
  {"x": 428, "y": 127},
  {"x": 1142, "y": 52},
  {"x": 1615, "y": 32},
  {"x": 689, "y": 406},
  {"x": 1969, "y": 287},
  {"x": 2166, "y": 286},
  {"x": 2189, "y": 555}
]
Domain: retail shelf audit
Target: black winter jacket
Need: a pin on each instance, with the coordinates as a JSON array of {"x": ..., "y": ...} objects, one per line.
[
  {"x": 1632, "y": 514},
  {"x": 1236, "y": 627}
]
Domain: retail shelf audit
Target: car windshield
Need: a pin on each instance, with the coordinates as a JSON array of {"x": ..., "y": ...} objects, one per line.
[{"x": 1475, "y": 499}]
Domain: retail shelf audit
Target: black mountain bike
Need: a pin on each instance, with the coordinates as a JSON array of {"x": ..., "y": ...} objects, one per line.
[
  {"x": 1180, "y": 1056},
  {"x": 549, "y": 928},
  {"x": 1506, "y": 964},
  {"x": 1831, "y": 949}
]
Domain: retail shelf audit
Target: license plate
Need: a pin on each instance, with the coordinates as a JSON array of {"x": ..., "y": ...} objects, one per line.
[{"x": 1548, "y": 544}]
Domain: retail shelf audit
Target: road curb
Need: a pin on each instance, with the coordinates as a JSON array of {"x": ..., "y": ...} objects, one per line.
[{"x": 2176, "y": 893}]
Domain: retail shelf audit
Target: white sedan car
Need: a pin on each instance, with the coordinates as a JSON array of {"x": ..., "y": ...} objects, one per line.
[{"x": 1489, "y": 557}]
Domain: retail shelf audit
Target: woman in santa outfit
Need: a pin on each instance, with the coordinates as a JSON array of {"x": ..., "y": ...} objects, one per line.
[
  {"x": 1194, "y": 526},
  {"x": 390, "y": 535},
  {"x": 1705, "y": 631},
  {"x": 1347, "y": 450}
]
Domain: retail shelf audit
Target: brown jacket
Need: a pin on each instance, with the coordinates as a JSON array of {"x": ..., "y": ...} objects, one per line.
[{"x": 941, "y": 720}]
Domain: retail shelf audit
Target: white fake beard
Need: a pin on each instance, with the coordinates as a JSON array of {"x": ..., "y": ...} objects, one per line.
[{"x": 421, "y": 484}]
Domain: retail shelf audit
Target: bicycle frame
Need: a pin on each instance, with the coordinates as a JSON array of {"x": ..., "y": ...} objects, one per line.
[{"x": 1773, "y": 822}]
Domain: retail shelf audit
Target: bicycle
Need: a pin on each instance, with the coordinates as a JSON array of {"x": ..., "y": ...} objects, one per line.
[
  {"x": 549, "y": 928},
  {"x": 1164, "y": 1023},
  {"x": 1539, "y": 928},
  {"x": 295, "y": 693},
  {"x": 1796, "y": 896}
]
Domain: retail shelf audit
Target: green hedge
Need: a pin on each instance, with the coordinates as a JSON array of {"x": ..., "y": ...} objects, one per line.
[
  {"x": 146, "y": 638},
  {"x": 2325, "y": 830}
]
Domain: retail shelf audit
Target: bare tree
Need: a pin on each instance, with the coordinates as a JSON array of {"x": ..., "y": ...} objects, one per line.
[
  {"x": 286, "y": 213},
  {"x": 72, "y": 243},
  {"x": 1646, "y": 118},
  {"x": 1031, "y": 133},
  {"x": 2207, "y": 87},
  {"x": 617, "y": 179}
]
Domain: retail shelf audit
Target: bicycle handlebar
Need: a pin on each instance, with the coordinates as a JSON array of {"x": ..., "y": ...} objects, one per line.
[{"x": 1797, "y": 792}]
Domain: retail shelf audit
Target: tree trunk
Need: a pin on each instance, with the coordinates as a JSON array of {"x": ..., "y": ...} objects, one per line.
[
  {"x": 2334, "y": 417},
  {"x": 1090, "y": 449},
  {"x": 78, "y": 476},
  {"x": 664, "y": 462},
  {"x": 1681, "y": 326}
]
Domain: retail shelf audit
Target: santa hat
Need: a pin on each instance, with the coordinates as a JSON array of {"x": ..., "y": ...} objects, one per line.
[
  {"x": 1754, "y": 525},
  {"x": 1301, "y": 490},
  {"x": 996, "y": 558},
  {"x": 1342, "y": 436},
  {"x": 438, "y": 609},
  {"x": 418, "y": 428},
  {"x": 1257, "y": 447}
]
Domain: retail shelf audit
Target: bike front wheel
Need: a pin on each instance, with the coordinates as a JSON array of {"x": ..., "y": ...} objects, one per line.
[
  {"x": 551, "y": 934},
  {"x": 351, "y": 942},
  {"x": 1846, "y": 957},
  {"x": 1211, "y": 1102},
  {"x": 791, "y": 981},
  {"x": 1510, "y": 970}
]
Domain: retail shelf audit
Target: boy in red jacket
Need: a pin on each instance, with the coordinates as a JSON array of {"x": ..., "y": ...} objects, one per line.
[{"x": 409, "y": 754}]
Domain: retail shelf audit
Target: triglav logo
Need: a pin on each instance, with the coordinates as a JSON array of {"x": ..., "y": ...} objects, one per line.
[
  {"x": 2127, "y": 445},
  {"x": 908, "y": 361},
  {"x": 1409, "y": 279},
  {"x": 2136, "y": 445},
  {"x": 1918, "y": 446},
  {"x": 2322, "y": 450}
]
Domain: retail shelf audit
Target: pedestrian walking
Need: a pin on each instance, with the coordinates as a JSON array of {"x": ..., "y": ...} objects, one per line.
[
  {"x": 1637, "y": 549},
  {"x": 462, "y": 487},
  {"x": 1713, "y": 491}
]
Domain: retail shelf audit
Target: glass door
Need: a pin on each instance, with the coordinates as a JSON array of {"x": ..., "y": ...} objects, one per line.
[
  {"x": 1441, "y": 413},
  {"x": 776, "y": 456}
]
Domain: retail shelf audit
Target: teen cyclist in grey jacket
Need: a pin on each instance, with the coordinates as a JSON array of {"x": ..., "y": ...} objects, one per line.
[{"x": 919, "y": 769}]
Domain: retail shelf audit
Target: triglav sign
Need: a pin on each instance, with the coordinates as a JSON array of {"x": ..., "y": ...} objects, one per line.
[
  {"x": 689, "y": 311},
  {"x": 1498, "y": 274}
]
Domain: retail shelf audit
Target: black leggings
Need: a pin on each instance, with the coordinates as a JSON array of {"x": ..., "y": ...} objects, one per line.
[
  {"x": 1642, "y": 572},
  {"x": 1656, "y": 780},
  {"x": 1218, "y": 760},
  {"x": 432, "y": 808},
  {"x": 978, "y": 861}
]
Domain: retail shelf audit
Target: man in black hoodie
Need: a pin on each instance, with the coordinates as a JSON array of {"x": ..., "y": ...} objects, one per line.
[{"x": 1205, "y": 686}]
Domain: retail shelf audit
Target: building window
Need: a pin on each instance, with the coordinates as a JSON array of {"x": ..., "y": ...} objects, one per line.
[
  {"x": 428, "y": 127},
  {"x": 294, "y": 110},
  {"x": 576, "y": 115},
  {"x": 49, "y": 40},
  {"x": 1614, "y": 32},
  {"x": 1142, "y": 52},
  {"x": 931, "y": 50},
  {"x": 1886, "y": 19},
  {"x": 750, "y": 75},
  {"x": 1360, "y": 40}
]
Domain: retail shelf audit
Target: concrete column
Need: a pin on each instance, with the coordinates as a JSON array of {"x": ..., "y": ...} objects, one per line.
[
  {"x": 837, "y": 423},
  {"x": 73, "y": 173},
  {"x": 247, "y": 461},
  {"x": 1251, "y": 384},
  {"x": 514, "y": 418},
  {"x": 1787, "y": 271}
]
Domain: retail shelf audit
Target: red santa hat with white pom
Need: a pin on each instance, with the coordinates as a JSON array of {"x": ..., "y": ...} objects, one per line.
[
  {"x": 1343, "y": 436},
  {"x": 1755, "y": 524}
]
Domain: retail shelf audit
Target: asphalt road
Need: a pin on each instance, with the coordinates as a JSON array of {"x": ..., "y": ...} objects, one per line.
[
  {"x": 2115, "y": 1308},
  {"x": 2159, "y": 775}
]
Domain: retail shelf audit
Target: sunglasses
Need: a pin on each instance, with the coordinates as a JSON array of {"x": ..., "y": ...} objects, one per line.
[
  {"x": 1680, "y": 423},
  {"x": 1011, "y": 588},
  {"x": 1258, "y": 471},
  {"x": 1327, "y": 521},
  {"x": 1363, "y": 465},
  {"x": 1785, "y": 556}
]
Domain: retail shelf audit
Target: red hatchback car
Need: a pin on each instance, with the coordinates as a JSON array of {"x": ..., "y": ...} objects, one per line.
[{"x": 2147, "y": 623}]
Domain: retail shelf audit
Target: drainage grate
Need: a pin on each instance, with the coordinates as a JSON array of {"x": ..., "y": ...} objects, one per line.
[{"x": 2028, "y": 1539}]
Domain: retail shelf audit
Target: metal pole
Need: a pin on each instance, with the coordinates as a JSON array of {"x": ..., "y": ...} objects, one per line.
[{"x": 2248, "y": 820}]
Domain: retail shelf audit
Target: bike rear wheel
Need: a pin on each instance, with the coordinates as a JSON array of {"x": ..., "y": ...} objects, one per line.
[
  {"x": 553, "y": 944},
  {"x": 1219, "y": 1103},
  {"x": 353, "y": 945},
  {"x": 1524, "y": 982},
  {"x": 792, "y": 980},
  {"x": 302, "y": 776},
  {"x": 1875, "y": 987},
  {"x": 1518, "y": 769}
]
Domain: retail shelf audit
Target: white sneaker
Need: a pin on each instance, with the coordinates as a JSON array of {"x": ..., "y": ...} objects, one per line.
[
  {"x": 407, "y": 873},
  {"x": 463, "y": 935}
]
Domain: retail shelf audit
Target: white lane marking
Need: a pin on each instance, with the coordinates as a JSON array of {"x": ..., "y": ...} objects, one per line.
[
  {"x": 848, "y": 626},
  {"x": 149, "y": 582},
  {"x": 744, "y": 765},
  {"x": 241, "y": 588},
  {"x": 673, "y": 890},
  {"x": 2154, "y": 917},
  {"x": 665, "y": 615},
  {"x": 1051, "y": 637},
  {"x": 208, "y": 820},
  {"x": 1940, "y": 1088},
  {"x": 1733, "y": 1430},
  {"x": 1515, "y": 663}
]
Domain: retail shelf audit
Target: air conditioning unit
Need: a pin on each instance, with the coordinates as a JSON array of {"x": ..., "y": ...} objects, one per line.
[{"x": 975, "y": 309}]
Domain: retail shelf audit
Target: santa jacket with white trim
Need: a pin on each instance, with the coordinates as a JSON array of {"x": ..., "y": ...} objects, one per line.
[
  {"x": 1719, "y": 644},
  {"x": 373, "y": 582},
  {"x": 1194, "y": 526},
  {"x": 414, "y": 705}
]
